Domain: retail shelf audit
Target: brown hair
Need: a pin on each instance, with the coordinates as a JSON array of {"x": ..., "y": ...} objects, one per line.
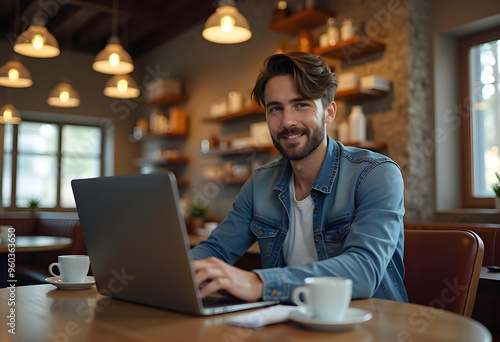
[{"x": 313, "y": 77}]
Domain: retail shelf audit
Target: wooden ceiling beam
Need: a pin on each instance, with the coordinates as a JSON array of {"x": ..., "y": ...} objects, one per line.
[{"x": 72, "y": 22}]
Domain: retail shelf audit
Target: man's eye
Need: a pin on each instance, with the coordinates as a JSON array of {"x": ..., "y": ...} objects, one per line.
[{"x": 274, "y": 109}]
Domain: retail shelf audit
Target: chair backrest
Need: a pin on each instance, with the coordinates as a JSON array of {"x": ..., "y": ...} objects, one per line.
[{"x": 442, "y": 268}]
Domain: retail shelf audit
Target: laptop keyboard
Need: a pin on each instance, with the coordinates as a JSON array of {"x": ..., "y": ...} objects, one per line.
[{"x": 219, "y": 299}]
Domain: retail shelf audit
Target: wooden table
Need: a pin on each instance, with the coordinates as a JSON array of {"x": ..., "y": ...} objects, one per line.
[
  {"x": 489, "y": 282},
  {"x": 28, "y": 244},
  {"x": 44, "y": 313}
]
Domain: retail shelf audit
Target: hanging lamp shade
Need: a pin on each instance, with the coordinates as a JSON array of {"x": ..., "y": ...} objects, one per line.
[
  {"x": 227, "y": 26},
  {"x": 9, "y": 115},
  {"x": 13, "y": 74},
  {"x": 37, "y": 41},
  {"x": 63, "y": 95},
  {"x": 122, "y": 87},
  {"x": 113, "y": 59}
]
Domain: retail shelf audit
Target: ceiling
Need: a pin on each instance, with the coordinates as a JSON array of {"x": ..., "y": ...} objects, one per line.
[{"x": 86, "y": 25}]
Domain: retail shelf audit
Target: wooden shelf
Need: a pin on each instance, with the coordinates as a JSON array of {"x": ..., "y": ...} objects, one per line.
[
  {"x": 246, "y": 150},
  {"x": 254, "y": 110},
  {"x": 157, "y": 136},
  {"x": 306, "y": 19},
  {"x": 368, "y": 144},
  {"x": 355, "y": 47},
  {"x": 160, "y": 161},
  {"x": 359, "y": 94},
  {"x": 167, "y": 99}
]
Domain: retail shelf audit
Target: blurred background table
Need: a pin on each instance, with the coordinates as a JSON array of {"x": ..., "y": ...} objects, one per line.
[
  {"x": 489, "y": 282},
  {"x": 29, "y": 244}
]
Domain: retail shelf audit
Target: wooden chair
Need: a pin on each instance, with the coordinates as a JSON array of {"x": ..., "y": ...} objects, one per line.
[{"x": 442, "y": 268}]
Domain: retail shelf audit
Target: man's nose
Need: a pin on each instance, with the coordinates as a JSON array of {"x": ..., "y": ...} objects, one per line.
[{"x": 289, "y": 118}]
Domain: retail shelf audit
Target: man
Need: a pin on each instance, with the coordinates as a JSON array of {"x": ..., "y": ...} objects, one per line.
[{"x": 322, "y": 210}]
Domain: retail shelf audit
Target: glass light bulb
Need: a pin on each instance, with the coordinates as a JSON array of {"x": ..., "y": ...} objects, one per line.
[
  {"x": 227, "y": 23},
  {"x": 122, "y": 86},
  {"x": 282, "y": 5},
  {"x": 114, "y": 59},
  {"x": 37, "y": 41},
  {"x": 64, "y": 96},
  {"x": 13, "y": 75},
  {"x": 7, "y": 115}
]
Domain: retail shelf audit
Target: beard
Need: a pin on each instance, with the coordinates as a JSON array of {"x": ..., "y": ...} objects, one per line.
[{"x": 292, "y": 151}]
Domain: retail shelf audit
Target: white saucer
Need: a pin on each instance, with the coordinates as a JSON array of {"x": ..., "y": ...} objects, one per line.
[
  {"x": 61, "y": 284},
  {"x": 352, "y": 317}
]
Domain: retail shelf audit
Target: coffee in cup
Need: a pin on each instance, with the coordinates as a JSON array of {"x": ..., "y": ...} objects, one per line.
[
  {"x": 72, "y": 268},
  {"x": 324, "y": 298}
]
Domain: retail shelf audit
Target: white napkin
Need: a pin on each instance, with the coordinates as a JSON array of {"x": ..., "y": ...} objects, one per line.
[{"x": 260, "y": 318}]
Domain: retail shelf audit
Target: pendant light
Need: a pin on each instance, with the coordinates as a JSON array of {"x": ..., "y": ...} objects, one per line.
[
  {"x": 122, "y": 87},
  {"x": 113, "y": 59},
  {"x": 227, "y": 25},
  {"x": 13, "y": 74},
  {"x": 63, "y": 95},
  {"x": 9, "y": 115},
  {"x": 37, "y": 41}
]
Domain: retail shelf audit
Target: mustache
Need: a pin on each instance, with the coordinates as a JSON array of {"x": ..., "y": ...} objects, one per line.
[{"x": 293, "y": 130}]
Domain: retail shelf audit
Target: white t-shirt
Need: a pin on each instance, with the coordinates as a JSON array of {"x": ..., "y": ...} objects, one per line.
[{"x": 299, "y": 248}]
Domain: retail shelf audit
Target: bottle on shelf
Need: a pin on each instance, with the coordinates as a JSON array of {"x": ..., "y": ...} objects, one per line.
[
  {"x": 178, "y": 120},
  {"x": 305, "y": 42},
  {"x": 331, "y": 36},
  {"x": 343, "y": 132},
  {"x": 235, "y": 101},
  {"x": 347, "y": 30},
  {"x": 153, "y": 120},
  {"x": 357, "y": 124}
]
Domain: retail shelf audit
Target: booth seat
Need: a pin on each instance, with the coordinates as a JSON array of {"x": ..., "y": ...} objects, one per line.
[{"x": 487, "y": 307}]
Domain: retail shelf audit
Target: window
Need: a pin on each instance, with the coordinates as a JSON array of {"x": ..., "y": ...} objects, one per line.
[
  {"x": 41, "y": 158},
  {"x": 480, "y": 89}
]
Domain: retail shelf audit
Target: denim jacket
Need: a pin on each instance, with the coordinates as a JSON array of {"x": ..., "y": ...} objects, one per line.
[{"x": 357, "y": 225}]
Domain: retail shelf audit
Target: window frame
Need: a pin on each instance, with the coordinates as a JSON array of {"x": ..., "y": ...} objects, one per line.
[
  {"x": 464, "y": 46},
  {"x": 60, "y": 125}
]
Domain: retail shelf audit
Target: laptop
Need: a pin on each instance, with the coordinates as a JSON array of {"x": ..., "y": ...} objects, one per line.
[{"x": 137, "y": 242}]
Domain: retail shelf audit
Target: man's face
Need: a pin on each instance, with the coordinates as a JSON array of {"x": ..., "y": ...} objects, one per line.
[{"x": 297, "y": 125}]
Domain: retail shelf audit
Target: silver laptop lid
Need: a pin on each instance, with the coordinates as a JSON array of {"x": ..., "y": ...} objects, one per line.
[
  {"x": 136, "y": 238},
  {"x": 137, "y": 242}
]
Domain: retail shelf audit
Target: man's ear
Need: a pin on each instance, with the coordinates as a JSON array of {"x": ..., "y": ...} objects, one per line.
[{"x": 331, "y": 111}]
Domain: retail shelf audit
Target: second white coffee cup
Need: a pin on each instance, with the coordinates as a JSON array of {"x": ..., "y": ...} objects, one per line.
[
  {"x": 72, "y": 268},
  {"x": 324, "y": 298}
]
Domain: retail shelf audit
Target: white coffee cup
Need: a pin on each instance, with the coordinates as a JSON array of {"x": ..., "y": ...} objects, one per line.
[
  {"x": 72, "y": 268},
  {"x": 324, "y": 298}
]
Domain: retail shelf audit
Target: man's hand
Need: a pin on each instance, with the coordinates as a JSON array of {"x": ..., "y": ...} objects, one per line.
[{"x": 219, "y": 275}]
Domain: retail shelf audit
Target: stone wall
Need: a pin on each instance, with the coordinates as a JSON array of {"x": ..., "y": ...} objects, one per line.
[{"x": 419, "y": 185}]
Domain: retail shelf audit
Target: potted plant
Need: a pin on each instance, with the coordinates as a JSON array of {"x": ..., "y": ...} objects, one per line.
[
  {"x": 197, "y": 213},
  {"x": 496, "y": 190},
  {"x": 33, "y": 205}
]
